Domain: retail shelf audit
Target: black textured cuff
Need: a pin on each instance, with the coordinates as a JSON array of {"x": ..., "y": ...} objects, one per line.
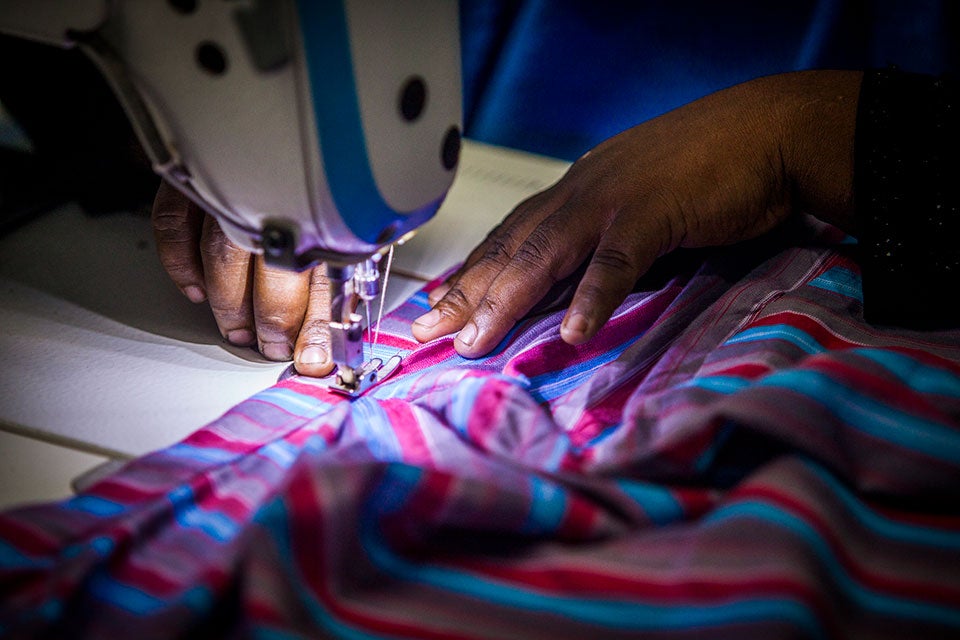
[{"x": 907, "y": 194}]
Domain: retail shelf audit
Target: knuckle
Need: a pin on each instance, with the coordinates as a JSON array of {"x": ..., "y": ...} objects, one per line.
[
  {"x": 216, "y": 246},
  {"x": 592, "y": 292},
  {"x": 488, "y": 307},
  {"x": 318, "y": 288},
  {"x": 280, "y": 280},
  {"x": 538, "y": 250},
  {"x": 315, "y": 333},
  {"x": 277, "y": 323},
  {"x": 614, "y": 259},
  {"x": 216, "y": 241},
  {"x": 319, "y": 280},
  {"x": 228, "y": 315},
  {"x": 494, "y": 309},
  {"x": 496, "y": 253},
  {"x": 169, "y": 201},
  {"x": 676, "y": 222},
  {"x": 454, "y": 302},
  {"x": 168, "y": 223},
  {"x": 178, "y": 265}
]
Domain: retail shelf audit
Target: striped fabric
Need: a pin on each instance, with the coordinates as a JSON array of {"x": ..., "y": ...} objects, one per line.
[{"x": 736, "y": 455}]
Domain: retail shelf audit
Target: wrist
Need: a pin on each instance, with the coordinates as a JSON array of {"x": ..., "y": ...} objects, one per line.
[{"x": 816, "y": 113}]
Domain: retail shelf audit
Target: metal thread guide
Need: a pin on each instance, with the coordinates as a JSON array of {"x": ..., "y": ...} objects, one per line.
[{"x": 349, "y": 285}]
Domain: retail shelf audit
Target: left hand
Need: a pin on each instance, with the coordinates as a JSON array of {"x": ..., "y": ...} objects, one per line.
[{"x": 284, "y": 314}]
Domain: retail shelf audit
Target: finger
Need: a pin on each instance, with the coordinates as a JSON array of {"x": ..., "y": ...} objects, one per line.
[
  {"x": 440, "y": 290},
  {"x": 550, "y": 253},
  {"x": 459, "y": 295},
  {"x": 516, "y": 226},
  {"x": 177, "y": 226},
  {"x": 228, "y": 275},
  {"x": 279, "y": 304},
  {"x": 312, "y": 353},
  {"x": 616, "y": 264}
]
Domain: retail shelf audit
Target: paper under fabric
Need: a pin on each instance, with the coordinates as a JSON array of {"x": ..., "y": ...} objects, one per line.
[{"x": 736, "y": 455}]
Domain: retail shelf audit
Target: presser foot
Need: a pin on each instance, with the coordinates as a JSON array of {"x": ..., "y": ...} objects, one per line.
[
  {"x": 363, "y": 377},
  {"x": 353, "y": 382}
]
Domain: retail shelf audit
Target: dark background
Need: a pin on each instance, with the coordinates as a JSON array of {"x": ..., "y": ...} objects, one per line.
[{"x": 549, "y": 76}]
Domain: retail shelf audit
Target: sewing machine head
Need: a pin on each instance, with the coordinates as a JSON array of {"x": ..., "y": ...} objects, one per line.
[{"x": 313, "y": 130}]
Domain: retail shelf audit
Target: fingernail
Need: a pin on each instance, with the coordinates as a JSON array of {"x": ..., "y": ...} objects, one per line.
[
  {"x": 276, "y": 351},
  {"x": 576, "y": 323},
  {"x": 468, "y": 334},
  {"x": 194, "y": 293},
  {"x": 241, "y": 337},
  {"x": 428, "y": 320},
  {"x": 313, "y": 355}
]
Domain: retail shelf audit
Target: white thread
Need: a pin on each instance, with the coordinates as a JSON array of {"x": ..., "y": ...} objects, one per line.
[
  {"x": 383, "y": 293},
  {"x": 366, "y": 304}
]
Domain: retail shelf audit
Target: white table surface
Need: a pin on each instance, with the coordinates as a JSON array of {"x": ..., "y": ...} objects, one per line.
[{"x": 33, "y": 470}]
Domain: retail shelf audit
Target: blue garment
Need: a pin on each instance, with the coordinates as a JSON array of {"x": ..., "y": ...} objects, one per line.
[{"x": 559, "y": 76}]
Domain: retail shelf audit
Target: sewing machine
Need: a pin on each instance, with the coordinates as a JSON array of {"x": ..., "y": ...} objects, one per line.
[{"x": 314, "y": 131}]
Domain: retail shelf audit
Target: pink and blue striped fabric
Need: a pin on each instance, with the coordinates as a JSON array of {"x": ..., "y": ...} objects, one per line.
[{"x": 736, "y": 455}]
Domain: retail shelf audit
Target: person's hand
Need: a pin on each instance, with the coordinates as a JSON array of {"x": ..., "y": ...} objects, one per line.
[
  {"x": 723, "y": 169},
  {"x": 284, "y": 314}
]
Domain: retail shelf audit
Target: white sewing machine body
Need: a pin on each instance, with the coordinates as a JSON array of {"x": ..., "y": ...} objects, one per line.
[{"x": 313, "y": 130}]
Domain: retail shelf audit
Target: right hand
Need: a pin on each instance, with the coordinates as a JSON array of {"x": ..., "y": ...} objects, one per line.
[{"x": 723, "y": 169}]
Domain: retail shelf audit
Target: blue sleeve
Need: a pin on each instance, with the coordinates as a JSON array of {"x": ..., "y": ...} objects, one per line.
[{"x": 559, "y": 76}]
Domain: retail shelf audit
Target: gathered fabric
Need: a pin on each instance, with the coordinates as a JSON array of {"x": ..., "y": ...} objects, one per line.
[{"x": 736, "y": 454}]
